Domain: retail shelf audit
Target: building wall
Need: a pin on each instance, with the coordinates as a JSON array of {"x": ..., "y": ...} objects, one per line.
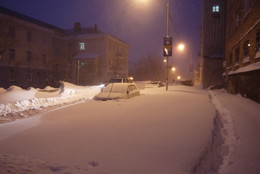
[
  {"x": 212, "y": 49},
  {"x": 111, "y": 55},
  {"x": 243, "y": 48},
  {"x": 27, "y": 56}
]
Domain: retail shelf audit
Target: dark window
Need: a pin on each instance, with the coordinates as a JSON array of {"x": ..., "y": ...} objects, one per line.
[
  {"x": 29, "y": 36},
  {"x": 29, "y": 56},
  {"x": 11, "y": 32},
  {"x": 248, "y": 5},
  {"x": 246, "y": 46},
  {"x": 29, "y": 75},
  {"x": 257, "y": 41},
  {"x": 12, "y": 75},
  {"x": 57, "y": 52},
  {"x": 230, "y": 61},
  {"x": 12, "y": 54},
  {"x": 44, "y": 58},
  {"x": 237, "y": 55}
]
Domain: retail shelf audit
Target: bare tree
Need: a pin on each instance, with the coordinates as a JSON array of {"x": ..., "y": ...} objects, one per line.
[{"x": 148, "y": 68}]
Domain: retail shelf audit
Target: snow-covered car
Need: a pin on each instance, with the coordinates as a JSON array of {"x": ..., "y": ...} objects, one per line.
[
  {"x": 154, "y": 84},
  {"x": 115, "y": 91},
  {"x": 121, "y": 80}
]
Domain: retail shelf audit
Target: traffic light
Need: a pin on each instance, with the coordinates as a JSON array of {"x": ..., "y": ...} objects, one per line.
[{"x": 167, "y": 46}]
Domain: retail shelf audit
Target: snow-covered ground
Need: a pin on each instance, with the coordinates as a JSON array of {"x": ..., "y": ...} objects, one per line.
[
  {"x": 183, "y": 130},
  {"x": 18, "y": 103}
]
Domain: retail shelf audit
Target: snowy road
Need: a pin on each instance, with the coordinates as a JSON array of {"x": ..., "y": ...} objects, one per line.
[{"x": 158, "y": 132}]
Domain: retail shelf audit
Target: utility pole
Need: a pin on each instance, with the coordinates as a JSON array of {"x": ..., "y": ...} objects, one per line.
[{"x": 167, "y": 49}]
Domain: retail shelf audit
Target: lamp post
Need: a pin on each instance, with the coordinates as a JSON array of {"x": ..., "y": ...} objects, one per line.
[{"x": 167, "y": 43}]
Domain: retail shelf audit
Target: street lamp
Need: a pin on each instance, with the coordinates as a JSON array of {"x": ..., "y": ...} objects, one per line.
[
  {"x": 167, "y": 43},
  {"x": 181, "y": 47}
]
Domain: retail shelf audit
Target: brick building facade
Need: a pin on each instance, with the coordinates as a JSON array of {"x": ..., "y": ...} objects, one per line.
[
  {"x": 212, "y": 45},
  {"x": 242, "y": 51}
]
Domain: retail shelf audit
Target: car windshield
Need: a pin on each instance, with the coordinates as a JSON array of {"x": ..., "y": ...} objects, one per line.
[{"x": 115, "y": 88}]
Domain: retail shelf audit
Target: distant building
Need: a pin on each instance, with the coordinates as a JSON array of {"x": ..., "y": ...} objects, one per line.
[
  {"x": 242, "y": 55},
  {"x": 98, "y": 57},
  {"x": 212, "y": 42},
  {"x": 37, "y": 54}
]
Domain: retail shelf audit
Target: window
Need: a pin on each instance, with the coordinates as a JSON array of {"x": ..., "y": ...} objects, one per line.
[
  {"x": 29, "y": 75},
  {"x": 247, "y": 5},
  {"x": 57, "y": 52},
  {"x": 257, "y": 41},
  {"x": 44, "y": 58},
  {"x": 11, "y": 32},
  {"x": 230, "y": 61},
  {"x": 237, "y": 55},
  {"x": 29, "y": 56},
  {"x": 29, "y": 36},
  {"x": 215, "y": 8},
  {"x": 81, "y": 46},
  {"x": 12, "y": 75},
  {"x": 246, "y": 46},
  {"x": 11, "y": 54}
]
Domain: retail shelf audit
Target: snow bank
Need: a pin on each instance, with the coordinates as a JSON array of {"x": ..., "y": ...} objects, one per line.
[{"x": 16, "y": 102}]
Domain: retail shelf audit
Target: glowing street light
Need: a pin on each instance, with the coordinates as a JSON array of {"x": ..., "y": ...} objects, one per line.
[
  {"x": 179, "y": 77},
  {"x": 181, "y": 47},
  {"x": 173, "y": 69}
]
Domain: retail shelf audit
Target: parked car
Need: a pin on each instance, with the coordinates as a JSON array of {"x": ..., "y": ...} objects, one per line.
[
  {"x": 121, "y": 80},
  {"x": 154, "y": 84},
  {"x": 115, "y": 91},
  {"x": 187, "y": 82}
]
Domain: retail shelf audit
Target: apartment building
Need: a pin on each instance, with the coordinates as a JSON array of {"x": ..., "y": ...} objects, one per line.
[
  {"x": 99, "y": 56},
  {"x": 25, "y": 50},
  {"x": 242, "y": 51},
  {"x": 34, "y": 53}
]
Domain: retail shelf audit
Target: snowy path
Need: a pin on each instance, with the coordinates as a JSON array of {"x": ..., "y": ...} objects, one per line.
[
  {"x": 158, "y": 132},
  {"x": 241, "y": 126}
]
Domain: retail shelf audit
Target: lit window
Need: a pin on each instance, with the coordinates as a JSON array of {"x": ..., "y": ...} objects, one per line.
[
  {"x": 81, "y": 46},
  {"x": 246, "y": 46},
  {"x": 215, "y": 8}
]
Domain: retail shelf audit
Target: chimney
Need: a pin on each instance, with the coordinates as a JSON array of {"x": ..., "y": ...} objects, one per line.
[{"x": 77, "y": 27}]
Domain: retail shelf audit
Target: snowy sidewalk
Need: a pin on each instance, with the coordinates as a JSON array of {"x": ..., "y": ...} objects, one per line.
[{"x": 241, "y": 132}]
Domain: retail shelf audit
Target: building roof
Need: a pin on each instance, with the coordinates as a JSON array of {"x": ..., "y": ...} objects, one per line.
[{"x": 29, "y": 19}]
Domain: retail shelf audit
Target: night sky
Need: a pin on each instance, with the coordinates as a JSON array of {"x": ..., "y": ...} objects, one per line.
[{"x": 140, "y": 23}]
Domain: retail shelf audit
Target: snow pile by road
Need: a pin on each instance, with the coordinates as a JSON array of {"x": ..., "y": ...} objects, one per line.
[{"x": 17, "y": 102}]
